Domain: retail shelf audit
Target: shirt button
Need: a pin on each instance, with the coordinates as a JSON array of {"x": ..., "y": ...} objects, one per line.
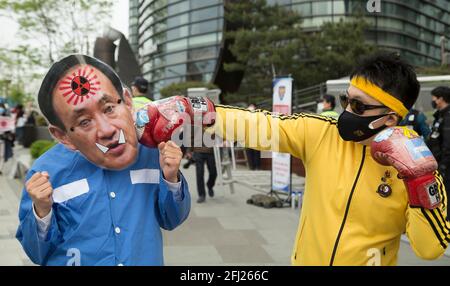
[
  {"x": 112, "y": 194},
  {"x": 117, "y": 230}
]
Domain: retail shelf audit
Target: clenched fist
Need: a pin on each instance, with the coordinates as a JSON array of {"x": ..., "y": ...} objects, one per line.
[
  {"x": 169, "y": 159},
  {"x": 40, "y": 190}
]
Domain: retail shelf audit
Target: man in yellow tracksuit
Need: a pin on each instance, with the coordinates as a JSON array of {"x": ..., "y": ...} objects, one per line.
[{"x": 346, "y": 219}]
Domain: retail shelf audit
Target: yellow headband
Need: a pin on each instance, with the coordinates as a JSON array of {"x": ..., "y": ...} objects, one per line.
[{"x": 380, "y": 95}]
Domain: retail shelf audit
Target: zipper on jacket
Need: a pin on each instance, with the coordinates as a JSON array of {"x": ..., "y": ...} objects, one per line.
[{"x": 347, "y": 207}]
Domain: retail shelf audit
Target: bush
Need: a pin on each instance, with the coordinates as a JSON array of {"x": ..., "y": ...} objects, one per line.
[
  {"x": 39, "y": 147},
  {"x": 40, "y": 120}
]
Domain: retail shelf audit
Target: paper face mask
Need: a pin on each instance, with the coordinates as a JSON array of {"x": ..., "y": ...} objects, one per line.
[{"x": 120, "y": 141}]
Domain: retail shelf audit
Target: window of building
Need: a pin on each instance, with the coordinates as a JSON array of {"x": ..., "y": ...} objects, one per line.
[
  {"x": 178, "y": 20},
  {"x": 203, "y": 39},
  {"x": 177, "y": 70},
  {"x": 204, "y": 27},
  {"x": 279, "y": 2},
  {"x": 411, "y": 29},
  {"x": 440, "y": 28},
  {"x": 201, "y": 3},
  {"x": 177, "y": 33},
  {"x": 303, "y": 9},
  {"x": 176, "y": 58},
  {"x": 201, "y": 66},
  {"x": 176, "y": 45},
  {"x": 202, "y": 53},
  {"x": 203, "y": 14},
  {"x": 178, "y": 8},
  {"x": 390, "y": 23},
  {"x": 339, "y": 7},
  {"x": 159, "y": 4},
  {"x": 322, "y": 8}
]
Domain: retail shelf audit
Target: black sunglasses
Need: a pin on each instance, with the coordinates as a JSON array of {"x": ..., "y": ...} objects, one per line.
[{"x": 357, "y": 106}]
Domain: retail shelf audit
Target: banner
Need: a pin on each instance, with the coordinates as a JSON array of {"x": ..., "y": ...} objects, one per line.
[
  {"x": 6, "y": 124},
  {"x": 281, "y": 162}
]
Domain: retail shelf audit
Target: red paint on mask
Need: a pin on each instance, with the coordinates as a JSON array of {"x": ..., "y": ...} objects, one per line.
[{"x": 80, "y": 85}]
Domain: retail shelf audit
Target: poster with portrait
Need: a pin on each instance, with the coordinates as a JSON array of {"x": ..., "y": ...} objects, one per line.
[
  {"x": 6, "y": 124},
  {"x": 281, "y": 162}
]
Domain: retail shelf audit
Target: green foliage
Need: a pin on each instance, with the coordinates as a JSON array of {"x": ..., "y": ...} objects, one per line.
[
  {"x": 435, "y": 70},
  {"x": 270, "y": 41},
  {"x": 39, "y": 147},
  {"x": 182, "y": 87},
  {"x": 61, "y": 26},
  {"x": 16, "y": 68},
  {"x": 49, "y": 30},
  {"x": 18, "y": 95},
  {"x": 40, "y": 120},
  {"x": 335, "y": 50}
]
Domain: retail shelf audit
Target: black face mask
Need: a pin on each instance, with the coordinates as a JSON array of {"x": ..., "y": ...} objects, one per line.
[
  {"x": 433, "y": 104},
  {"x": 356, "y": 128}
]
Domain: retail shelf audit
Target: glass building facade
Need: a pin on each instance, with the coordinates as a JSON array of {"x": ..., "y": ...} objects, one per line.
[
  {"x": 133, "y": 25},
  {"x": 179, "y": 40},
  {"x": 412, "y": 27}
]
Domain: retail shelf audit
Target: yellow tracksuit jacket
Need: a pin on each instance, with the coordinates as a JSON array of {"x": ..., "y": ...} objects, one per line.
[{"x": 344, "y": 221}]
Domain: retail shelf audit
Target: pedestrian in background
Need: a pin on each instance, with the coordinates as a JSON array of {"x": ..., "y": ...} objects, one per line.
[
  {"x": 202, "y": 155},
  {"x": 6, "y": 140},
  {"x": 439, "y": 139},
  {"x": 327, "y": 105},
  {"x": 20, "y": 123},
  {"x": 139, "y": 89},
  {"x": 417, "y": 121},
  {"x": 253, "y": 156}
]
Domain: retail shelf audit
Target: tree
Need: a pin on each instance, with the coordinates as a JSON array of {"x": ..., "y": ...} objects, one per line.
[
  {"x": 18, "y": 95},
  {"x": 434, "y": 70},
  {"x": 269, "y": 41},
  {"x": 335, "y": 50},
  {"x": 60, "y": 27},
  {"x": 16, "y": 77},
  {"x": 48, "y": 30},
  {"x": 180, "y": 88}
]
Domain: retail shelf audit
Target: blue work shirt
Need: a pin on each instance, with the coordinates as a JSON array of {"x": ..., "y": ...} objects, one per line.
[{"x": 102, "y": 217}]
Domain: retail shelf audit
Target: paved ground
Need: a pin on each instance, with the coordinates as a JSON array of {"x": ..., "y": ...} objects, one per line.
[{"x": 222, "y": 231}]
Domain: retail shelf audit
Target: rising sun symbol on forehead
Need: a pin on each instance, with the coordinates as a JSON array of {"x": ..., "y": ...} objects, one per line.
[{"x": 80, "y": 85}]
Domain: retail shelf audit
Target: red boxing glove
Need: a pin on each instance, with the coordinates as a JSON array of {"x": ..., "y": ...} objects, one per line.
[
  {"x": 403, "y": 149},
  {"x": 158, "y": 120}
]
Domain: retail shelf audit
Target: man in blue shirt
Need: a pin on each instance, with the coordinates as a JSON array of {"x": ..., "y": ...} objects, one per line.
[{"x": 98, "y": 197}]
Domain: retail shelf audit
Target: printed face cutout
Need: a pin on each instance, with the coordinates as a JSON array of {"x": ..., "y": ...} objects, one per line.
[
  {"x": 121, "y": 140},
  {"x": 80, "y": 85},
  {"x": 98, "y": 124}
]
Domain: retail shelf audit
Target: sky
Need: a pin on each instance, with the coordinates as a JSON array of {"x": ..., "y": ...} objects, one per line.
[
  {"x": 119, "y": 22},
  {"x": 120, "y": 16}
]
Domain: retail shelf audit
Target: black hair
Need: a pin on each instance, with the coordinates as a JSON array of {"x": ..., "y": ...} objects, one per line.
[
  {"x": 141, "y": 84},
  {"x": 392, "y": 74},
  {"x": 330, "y": 99},
  {"x": 57, "y": 71},
  {"x": 142, "y": 89},
  {"x": 442, "y": 92}
]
